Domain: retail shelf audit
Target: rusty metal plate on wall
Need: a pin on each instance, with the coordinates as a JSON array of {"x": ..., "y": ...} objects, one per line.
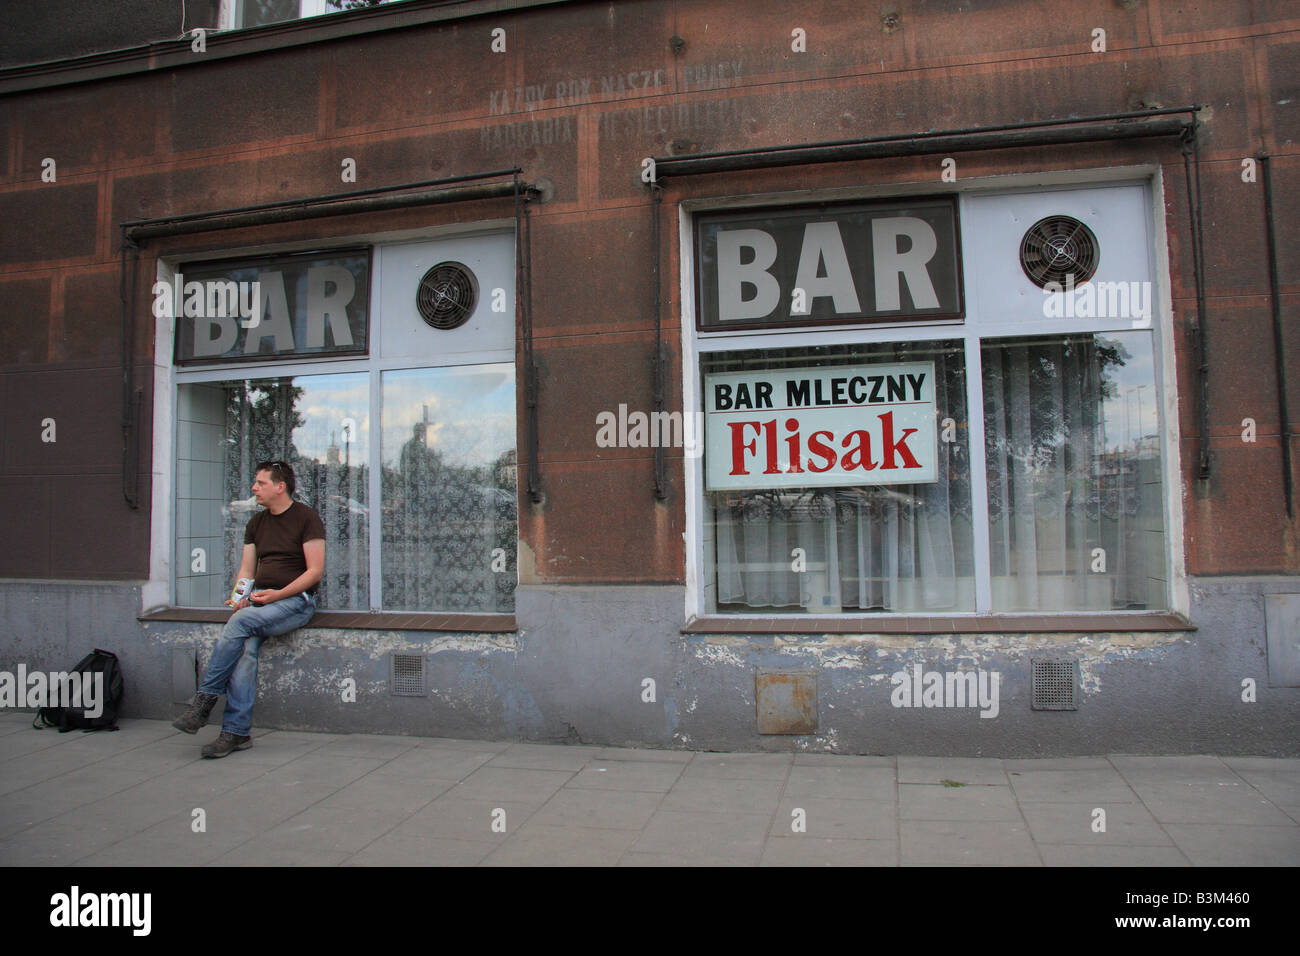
[{"x": 787, "y": 702}]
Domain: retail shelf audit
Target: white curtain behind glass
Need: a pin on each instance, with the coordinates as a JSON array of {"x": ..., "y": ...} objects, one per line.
[
  {"x": 890, "y": 548},
  {"x": 1070, "y": 475}
]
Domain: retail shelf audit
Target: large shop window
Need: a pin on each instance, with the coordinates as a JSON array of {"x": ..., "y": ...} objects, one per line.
[
  {"x": 422, "y": 519},
  {"x": 902, "y": 547},
  {"x": 838, "y": 476}
]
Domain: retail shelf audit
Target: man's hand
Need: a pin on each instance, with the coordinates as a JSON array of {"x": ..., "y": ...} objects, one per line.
[
  {"x": 268, "y": 596},
  {"x": 243, "y": 602}
]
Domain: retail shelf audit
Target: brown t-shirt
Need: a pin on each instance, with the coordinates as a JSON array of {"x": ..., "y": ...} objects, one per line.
[{"x": 278, "y": 539}]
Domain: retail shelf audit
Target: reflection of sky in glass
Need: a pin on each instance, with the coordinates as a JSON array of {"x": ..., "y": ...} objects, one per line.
[
  {"x": 327, "y": 400},
  {"x": 1133, "y": 413},
  {"x": 471, "y": 412}
]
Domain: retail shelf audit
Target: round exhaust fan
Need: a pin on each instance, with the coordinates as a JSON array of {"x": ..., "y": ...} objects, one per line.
[
  {"x": 447, "y": 295},
  {"x": 1058, "y": 248}
]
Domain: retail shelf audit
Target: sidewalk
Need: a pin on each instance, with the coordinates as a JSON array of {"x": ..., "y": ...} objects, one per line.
[{"x": 130, "y": 798}]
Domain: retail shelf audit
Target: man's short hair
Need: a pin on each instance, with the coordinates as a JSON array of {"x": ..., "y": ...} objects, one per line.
[{"x": 280, "y": 471}]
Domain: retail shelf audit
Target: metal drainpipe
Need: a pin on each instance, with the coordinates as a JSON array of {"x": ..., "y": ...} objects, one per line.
[
  {"x": 1192, "y": 175},
  {"x": 131, "y": 396},
  {"x": 661, "y": 477},
  {"x": 1279, "y": 349}
]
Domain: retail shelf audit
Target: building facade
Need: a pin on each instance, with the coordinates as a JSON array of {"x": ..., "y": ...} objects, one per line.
[{"x": 704, "y": 375}]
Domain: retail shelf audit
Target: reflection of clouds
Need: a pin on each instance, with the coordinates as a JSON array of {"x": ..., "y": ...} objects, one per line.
[
  {"x": 326, "y": 401},
  {"x": 471, "y": 412},
  {"x": 1134, "y": 411}
]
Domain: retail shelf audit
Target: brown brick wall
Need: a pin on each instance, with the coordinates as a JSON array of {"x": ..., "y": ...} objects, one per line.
[{"x": 582, "y": 94}]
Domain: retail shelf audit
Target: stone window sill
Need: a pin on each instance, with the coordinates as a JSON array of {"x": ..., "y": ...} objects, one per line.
[
  {"x": 365, "y": 620},
  {"x": 960, "y": 624}
]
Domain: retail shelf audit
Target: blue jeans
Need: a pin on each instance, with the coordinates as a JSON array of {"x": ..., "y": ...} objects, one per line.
[{"x": 232, "y": 669}]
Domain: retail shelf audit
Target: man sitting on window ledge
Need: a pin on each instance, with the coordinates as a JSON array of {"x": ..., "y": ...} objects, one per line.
[{"x": 284, "y": 552}]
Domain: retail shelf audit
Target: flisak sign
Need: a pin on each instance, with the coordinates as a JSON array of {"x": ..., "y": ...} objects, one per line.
[
  {"x": 278, "y": 307},
  {"x": 820, "y": 427},
  {"x": 825, "y": 264}
]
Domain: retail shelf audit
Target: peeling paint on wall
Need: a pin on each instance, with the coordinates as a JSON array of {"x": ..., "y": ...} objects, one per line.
[{"x": 883, "y": 654}]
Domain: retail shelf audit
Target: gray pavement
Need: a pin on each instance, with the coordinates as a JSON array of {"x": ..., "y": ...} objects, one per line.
[{"x": 143, "y": 796}]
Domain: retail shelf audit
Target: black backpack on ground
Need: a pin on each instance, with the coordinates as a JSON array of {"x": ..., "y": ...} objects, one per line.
[{"x": 74, "y": 718}]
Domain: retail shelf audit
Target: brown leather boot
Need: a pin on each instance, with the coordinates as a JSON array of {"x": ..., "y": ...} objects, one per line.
[{"x": 197, "y": 714}]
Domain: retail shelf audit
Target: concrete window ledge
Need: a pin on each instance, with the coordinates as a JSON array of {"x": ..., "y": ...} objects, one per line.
[
  {"x": 968, "y": 624},
  {"x": 363, "y": 620}
]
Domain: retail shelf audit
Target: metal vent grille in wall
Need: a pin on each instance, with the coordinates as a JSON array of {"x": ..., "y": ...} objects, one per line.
[
  {"x": 1059, "y": 249},
  {"x": 406, "y": 675},
  {"x": 447, "y": 295},
  {"x": 1054, "y": 683}
]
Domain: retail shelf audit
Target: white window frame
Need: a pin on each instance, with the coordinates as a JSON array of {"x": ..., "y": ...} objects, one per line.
[
  {"x": 695, "y": 344},
  {"x": 231, "y": 14},
  {"x": 159, "y": 591}
]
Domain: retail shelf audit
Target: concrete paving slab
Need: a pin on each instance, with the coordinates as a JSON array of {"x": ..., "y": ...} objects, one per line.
[
  {"x": 644, "y": 754},
  {"x": 317, "y": 767},
  {"x": 968, "y": 770},
  {"x": 918, "y": 801},
  {"x": 842, "y": 783},
  {"x": 1070, "y": 786},
  {"x": 457, "y": 743},
  {"x": 169, "y": 843},
  {"x": 405, "y": 793},
  {"x": 1057, "y": 763},
  {"x": 592, "y": 808},
  {"x": 366, "y": 745},
  {"x": 1211, "y": 802},
  {"x": 395, "y": 849},
  {"x": 452, "y": 817},
  {"x": 836, "y": 819},
  {"x": 158, "y": 759},
  {"x": 1264, "y": 764},
  {"x": 331, "y": 829},
  {"x": 242, "y": 815},
  {"x": 710, "y": 838},
  {"x": 844, "y": 761},
  {"x": 56, "y": 844},
  {"x": 1110, "y": 855},
  {"x": 1281, "y": 788},
  {"x": 488, "y": 784},
  {"x": 54, "y": 797},
  {"x": 259, "y": 855},
  {"x": 740, "y": 766},
  {"x": 1127, "y": 824},
  {"x": 723, "y": 795},
  {"x": 45, "y": 765},
  {"x": 1234, "y": 845},
  {"x": 540, "y": 844},
  {"x": 544, "y": 757},
  {"x": 809, "y": 850},
  {"x": 450, "y": 763},
  {"x": 630, "y": 775},
  {"x": 966, "y": 843},
  {"x": 1147, "y": 769},
  {"x": 19, "y": 745}
]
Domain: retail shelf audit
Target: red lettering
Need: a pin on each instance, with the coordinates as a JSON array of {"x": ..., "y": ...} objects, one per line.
[
  {"x": 792, "y": 442},
  {"x": 900, "y": 446},
  {"x": 859, "y": 456},
  {"x": 770, "y": 428},
  {"x": 738, "y": 446},
  {"x": 817, "y": 447}
]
